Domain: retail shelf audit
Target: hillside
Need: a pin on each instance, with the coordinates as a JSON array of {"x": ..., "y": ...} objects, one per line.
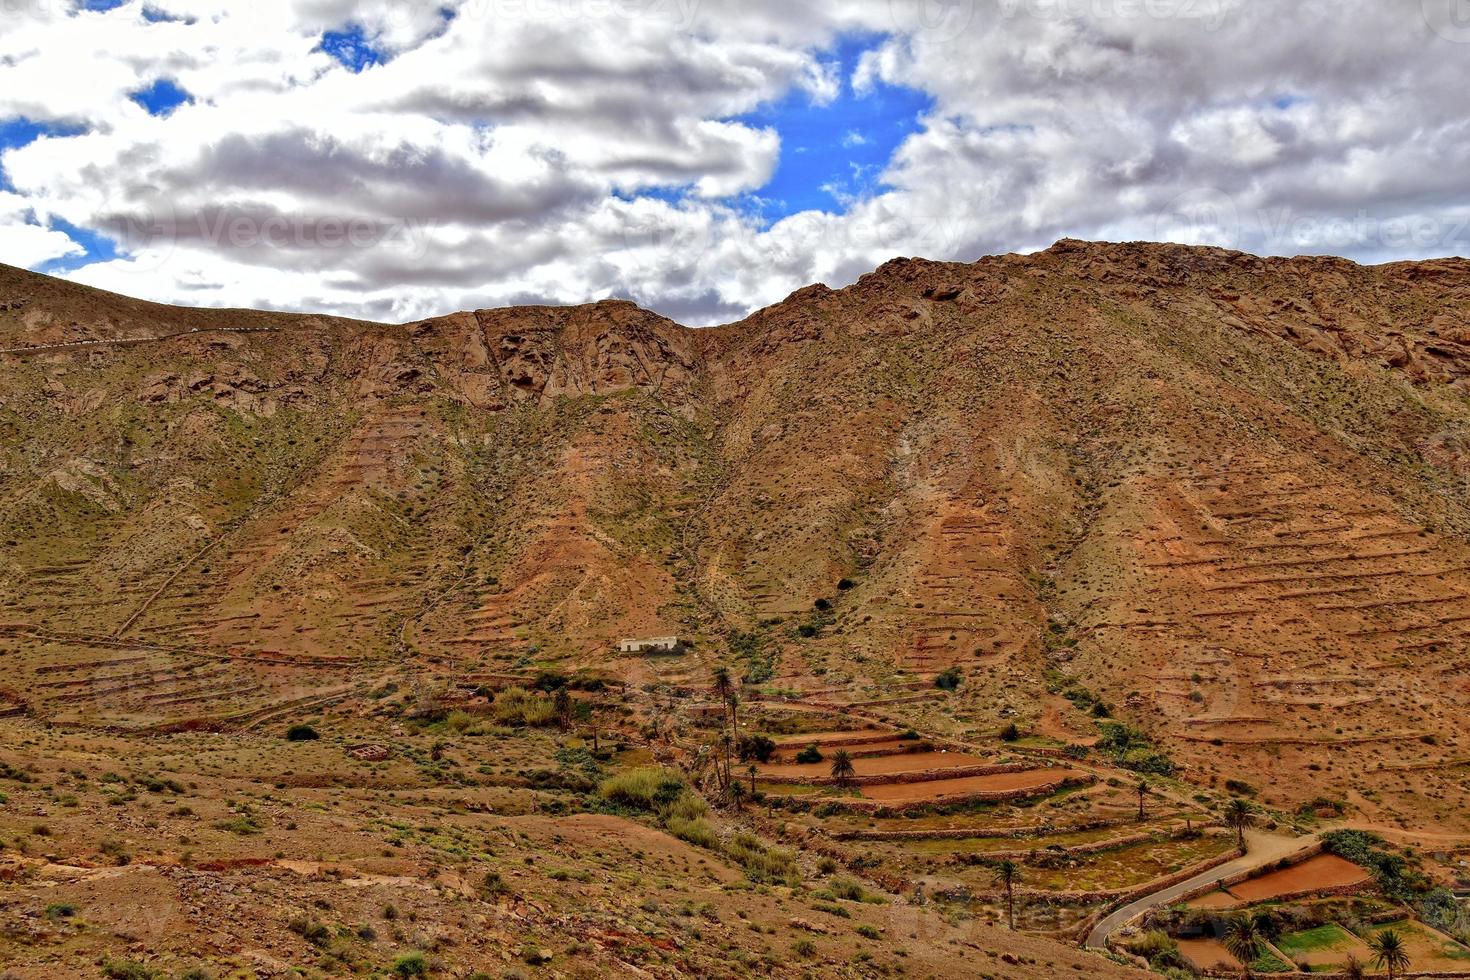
[{"x": 1219, "y": 499}]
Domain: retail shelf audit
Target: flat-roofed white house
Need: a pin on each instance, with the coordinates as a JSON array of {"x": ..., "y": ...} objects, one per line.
[{"x": 656, "y": 644}]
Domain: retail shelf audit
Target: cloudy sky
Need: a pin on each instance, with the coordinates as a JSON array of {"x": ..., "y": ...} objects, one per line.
[{"x": 394, "y": 159}]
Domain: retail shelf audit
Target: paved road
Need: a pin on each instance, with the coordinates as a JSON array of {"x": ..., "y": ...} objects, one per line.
[{"x": 1263, "y": 849}]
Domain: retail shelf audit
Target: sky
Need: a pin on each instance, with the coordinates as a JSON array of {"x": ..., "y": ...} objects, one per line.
[{"x": 397, "y": 159}]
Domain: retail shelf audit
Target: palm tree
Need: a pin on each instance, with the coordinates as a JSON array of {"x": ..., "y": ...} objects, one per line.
[
  {"x": 1143, "y": 790},
  {"x": 726, "y": 744},
  {"x": 1389, "y": 952},
  {"x": 1243, "y": 938},
  {"x": 753, "y": 770},
  {"x": 1007, "y": 873},
  {"x": 1239, "y": 817},
  {"x": 737, "y": 794},
  {"x": 724, "y": 689},
  {"x": 842, "y": 768}
]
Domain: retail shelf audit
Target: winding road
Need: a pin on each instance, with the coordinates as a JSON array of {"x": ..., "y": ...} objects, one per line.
[{"x": 1262, "y": 850}]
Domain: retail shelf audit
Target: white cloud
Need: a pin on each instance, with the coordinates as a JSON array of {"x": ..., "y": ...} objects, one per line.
[
  {"x": 25, "y": 243},
  {"x": 499, "y": 156}
]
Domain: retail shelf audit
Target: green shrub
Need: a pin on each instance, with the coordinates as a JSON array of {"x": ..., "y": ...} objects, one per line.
[
  {"x": 757, "y": 747},
  {"x": 310, "y": 930},
  {"x": 650, "y": 788},
  {"x": 809, "y": 755},
  {"x": 550, "y": 680},
  {"x": 459, "y": 722},
  {"x": 773, "y": 865},
  {"x": 128, "y": 970},
  {"x": 1152, "y": 945},
  {"x": 517, "y": 707},
  {"x": 301, "y": 733},
  {"x": 699, "y": 832},
  {"x": 950, "y": 680},
  {"x": 411, "y": 965}
]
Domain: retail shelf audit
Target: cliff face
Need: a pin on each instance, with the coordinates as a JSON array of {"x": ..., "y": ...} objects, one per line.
[{"x": 1223, "y": 493}]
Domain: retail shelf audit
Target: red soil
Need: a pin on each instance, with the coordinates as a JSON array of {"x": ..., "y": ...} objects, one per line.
[
  {"x": 879, "y": 765},
  {"x": 1319, "y": 873},
  {"x": 939, "y": 788}
]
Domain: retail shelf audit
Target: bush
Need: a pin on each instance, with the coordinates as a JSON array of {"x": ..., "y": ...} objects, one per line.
[
  {"x": 1156, "y": 947},
  {"x": 650, "y": 788},
  {"x": 549, "y": 680},
  {"x": 773, "y": 865},
  {"x": 310, "y": 930},
  {"x": 127, "y": 970},
  {"x": 1131, "y": 749},
  {"x": 809, "y": 755},
  {"x": 950, "y": 680},
  {"x": 411, "y": 965},
  {"x": 757, "y": 747},
  {"x": 517, "y": 707},
  {"x": 698, "y": 831},
  {"x": 1010, "y": 733},
  {"x": 301, "y": 733}
]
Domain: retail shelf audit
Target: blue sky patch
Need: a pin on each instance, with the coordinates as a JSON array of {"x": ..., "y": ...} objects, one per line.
[
  {"x": 99, "y": 5},
  {"x": 161, "y": 98},
  {"x": 834, "y": 154},
  {"x": 351, "y": 47},
  {"x": 19, "y": 131},
  {"x": 99, "y": 248}
]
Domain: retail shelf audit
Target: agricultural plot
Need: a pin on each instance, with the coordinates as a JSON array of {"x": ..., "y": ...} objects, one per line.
[
  {"x": 1128, "y": 866},
  {"x": 1429, "y": 950},
  {"x": 1325, "y": 872},
  {"x": 1208, "y": 954},
  {"x": 938, "y": 790},
  {"x": 1327, "y": 946},
  {"x": 881, "y": 765}
]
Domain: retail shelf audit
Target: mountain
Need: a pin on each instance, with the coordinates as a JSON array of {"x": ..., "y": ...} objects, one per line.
[
  {"x": 1131, "y": 464},
  {"x": 1219, "y": 498}
]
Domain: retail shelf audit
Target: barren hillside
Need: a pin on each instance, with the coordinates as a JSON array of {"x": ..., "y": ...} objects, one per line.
[{"x": 1218, "y": 498}]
